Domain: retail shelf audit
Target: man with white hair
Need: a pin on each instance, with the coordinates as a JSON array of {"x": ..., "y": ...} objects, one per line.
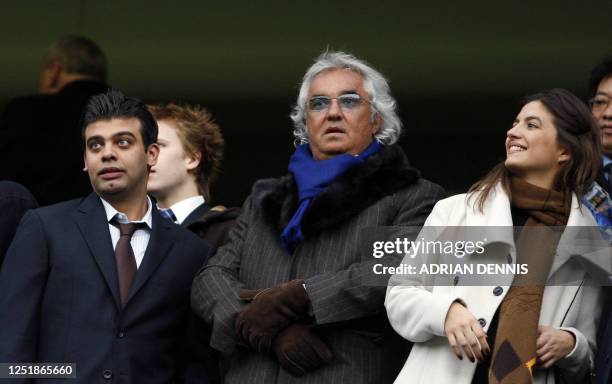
[{"x": 289, "y": 298}]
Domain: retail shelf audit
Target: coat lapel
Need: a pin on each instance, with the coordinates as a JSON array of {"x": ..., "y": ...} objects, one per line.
[
  {"x": 498, "y": 214},
  {"x": 496, "y": 223},
  {"x": 160, "y": 244},
  {"x": 92, "y": 223},
  {"x": 497, "y": 208},
  {"x": 582, "y": 239},
  {"x": 195, "y": 215},
  {"x": 382, "y": 174}
]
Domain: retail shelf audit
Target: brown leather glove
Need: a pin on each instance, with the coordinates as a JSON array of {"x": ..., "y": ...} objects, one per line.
[
  {"x": 299, "y": 350},
  {"x": 269, "y": 312},
  {"x": 249, "y": 294}
]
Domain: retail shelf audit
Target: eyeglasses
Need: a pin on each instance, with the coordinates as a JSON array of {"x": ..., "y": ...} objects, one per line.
[
  {"x": 599, "y": 104},
  {"x": 346, "y": 102}
]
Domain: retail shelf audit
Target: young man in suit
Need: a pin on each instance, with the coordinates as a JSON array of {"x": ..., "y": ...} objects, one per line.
[
  {"x": 104, "y": 281},
  {"x": 190, "y": 154}
]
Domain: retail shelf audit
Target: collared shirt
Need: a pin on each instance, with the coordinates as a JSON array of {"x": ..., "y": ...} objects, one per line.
[
  {"x": 606, "y": 160},
  {"x": 140, "y": 238},
  {"x": 183, "y": 208}
]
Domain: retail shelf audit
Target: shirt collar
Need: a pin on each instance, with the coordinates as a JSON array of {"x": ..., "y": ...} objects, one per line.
[
  {"x": 606, "y": 160},
  {"x": 122, "y": 217},
  {"x": 183, "y": 208}
]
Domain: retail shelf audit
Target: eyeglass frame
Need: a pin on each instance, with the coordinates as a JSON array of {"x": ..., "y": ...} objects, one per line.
[
  {"x": 361, "y": 99},
  {"x": 599, "y": 98}
]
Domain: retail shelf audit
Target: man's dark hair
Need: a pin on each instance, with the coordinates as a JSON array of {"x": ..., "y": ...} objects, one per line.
[
  {"x": 600, "y": 72},
  {"x": 78, "y": 54},
  {"x": 115, "y": 105}
]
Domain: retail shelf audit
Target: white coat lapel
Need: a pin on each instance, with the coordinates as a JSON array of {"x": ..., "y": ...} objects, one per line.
[{"x": 496, "y": 222}]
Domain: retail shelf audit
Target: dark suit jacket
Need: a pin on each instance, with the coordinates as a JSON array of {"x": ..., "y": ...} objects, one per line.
[
  {"x": 603, "y": 360},
  {"x": 195, "y": 215},
  {"x": 40, "y": 142},
  {"x": 601, "y": 180},
  {"x": 60, "y": 282},
  {"x": 212, "y": 225},
  {"x": 15, "y": 200}
]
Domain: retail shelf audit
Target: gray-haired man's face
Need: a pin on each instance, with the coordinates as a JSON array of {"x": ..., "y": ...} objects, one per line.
[{"x": 338, "y": 125}]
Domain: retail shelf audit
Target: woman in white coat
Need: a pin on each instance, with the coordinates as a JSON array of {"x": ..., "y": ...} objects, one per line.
[{"x": 513, "y": 333}]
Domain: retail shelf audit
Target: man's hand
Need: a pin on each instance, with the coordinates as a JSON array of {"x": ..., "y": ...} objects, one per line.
[
  {"x": 299, "y": 350},
  {"x": 269, "y": 312},
  {"x": 553, "y": 344},
  {"x": 249, "y": 294},
  {"x": 464, "y": 333}
]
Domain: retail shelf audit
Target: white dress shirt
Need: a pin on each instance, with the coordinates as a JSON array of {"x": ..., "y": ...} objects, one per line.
[
  {"x": 183, "y": 208},
  {"x": 140, "y": 238}
]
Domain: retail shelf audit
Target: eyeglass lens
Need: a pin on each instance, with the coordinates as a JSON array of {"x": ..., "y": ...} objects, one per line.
[
  {"x": 599, "y": 103},
  {"x": 348, "y": 101}
]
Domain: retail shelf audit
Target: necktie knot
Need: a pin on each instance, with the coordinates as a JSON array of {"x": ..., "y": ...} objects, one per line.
[
  {"x": 126, "y": 229},
  {"x": 167, "y": 213}
]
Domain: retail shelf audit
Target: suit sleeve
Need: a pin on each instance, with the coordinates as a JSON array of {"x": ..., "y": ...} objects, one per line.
[
  {"x": 200, "y": 362},
  {"x": 214, "y": 294},
  {"x": 22, "y": 281},
  {"x": 355, "y": 292}
]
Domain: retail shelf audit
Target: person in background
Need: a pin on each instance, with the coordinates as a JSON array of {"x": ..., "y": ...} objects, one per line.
[
  {"x": 190, "y": 155},
  {"x": 15, "y": 201},
  {"x": 600, "y": 101},
  {"x": 600, "y": 93},
  {"x": 73, "y": 69}
]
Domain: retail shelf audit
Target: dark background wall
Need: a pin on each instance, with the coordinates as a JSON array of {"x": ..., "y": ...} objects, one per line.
[{"x": 457, "y": 70}]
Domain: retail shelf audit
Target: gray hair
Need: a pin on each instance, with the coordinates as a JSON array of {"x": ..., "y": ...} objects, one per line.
[
  {"x": 374, "y": 83},
  {"x": 77, "y": 54}
]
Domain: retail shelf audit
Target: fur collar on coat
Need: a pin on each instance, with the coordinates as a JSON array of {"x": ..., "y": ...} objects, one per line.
[{"x": 382, "y": 174}]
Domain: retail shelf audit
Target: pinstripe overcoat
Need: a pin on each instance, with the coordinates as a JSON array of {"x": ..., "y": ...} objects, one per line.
[{"x": 348, "y": 307}]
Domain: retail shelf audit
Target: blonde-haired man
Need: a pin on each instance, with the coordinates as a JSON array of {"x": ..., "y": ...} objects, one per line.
[{"x": 191, "y": 151}]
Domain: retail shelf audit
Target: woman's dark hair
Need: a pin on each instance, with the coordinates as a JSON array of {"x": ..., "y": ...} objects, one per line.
[
  {"x": 577, "y": 132},
  {"x": 114, "y": 104}
]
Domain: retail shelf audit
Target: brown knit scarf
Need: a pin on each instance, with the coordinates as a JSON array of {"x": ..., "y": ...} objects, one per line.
[{"x": 514, "y": 352}]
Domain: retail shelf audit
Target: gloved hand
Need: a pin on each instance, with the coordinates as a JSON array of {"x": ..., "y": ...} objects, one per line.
[
  {"x": 249, "y": 294},
  {"x": 269, "y": 312},
  {"x": 299, "y": 350}
]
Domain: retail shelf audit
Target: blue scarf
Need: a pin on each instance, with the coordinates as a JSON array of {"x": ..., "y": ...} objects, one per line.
[{"x": 312, "y": 177}]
